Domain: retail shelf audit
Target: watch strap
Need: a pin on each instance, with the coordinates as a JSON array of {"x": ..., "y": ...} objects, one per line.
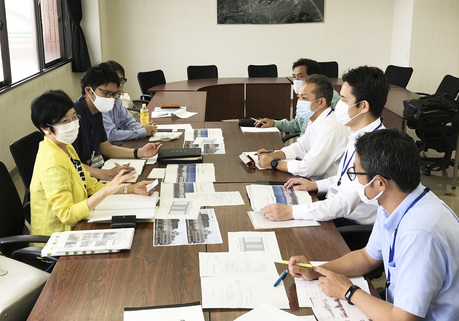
[
  {"x": 350, "y": 292},
  {"x": 274, "y": 163}
]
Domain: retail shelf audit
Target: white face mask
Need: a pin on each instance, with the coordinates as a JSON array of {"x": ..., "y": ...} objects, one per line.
[
  {"x": 67, "y": 133},
  {"x": 303, "y": 108},
  {"x": 364, "y": 198},
  {"x": 103, "y": 104},
  {"x": 342, "y": 112},
  {"x": 297, "y": 85}
]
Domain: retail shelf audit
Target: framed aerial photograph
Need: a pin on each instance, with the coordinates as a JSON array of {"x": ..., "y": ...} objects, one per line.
[{"x": 269, "y": 11}]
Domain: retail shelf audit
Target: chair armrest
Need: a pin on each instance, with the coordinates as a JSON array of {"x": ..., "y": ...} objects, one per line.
[
  {"x": 290, "y": 136},
  {"x": 18, "y": 239},
  {"x": 352, "y": 229},
  {"x": 141, "y": 101},
  {"x": 422, "y": 94},
  {"x": 32, "y": 255},
  {"x": 145, "y": 97}
]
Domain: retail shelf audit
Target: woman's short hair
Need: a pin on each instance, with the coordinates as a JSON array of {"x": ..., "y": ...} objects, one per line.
[{"x": 49, "y": 108}]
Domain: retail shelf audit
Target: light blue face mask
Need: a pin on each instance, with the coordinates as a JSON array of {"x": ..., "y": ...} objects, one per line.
[{"x": 303, "y": 108}]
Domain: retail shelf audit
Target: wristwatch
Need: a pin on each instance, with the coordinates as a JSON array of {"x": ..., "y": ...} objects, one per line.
[
  {"x": 126, "y": 190},
  {"x": 274, "y": 163},
  {"x": 350, "y": 292}
]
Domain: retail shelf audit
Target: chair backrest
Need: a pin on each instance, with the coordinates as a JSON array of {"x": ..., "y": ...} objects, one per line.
[
  {"x": 399, "y": 76},
  {"x": 202, "y": 72},
  {"x": 148, "y": 79},
  {"x": 449, "y": 85},
  {"x": 11, "y": 211},
  {"x": 329, "y": 68},
  {"x": 262, "y": 71},
  {"x": 24, "y": 152}
]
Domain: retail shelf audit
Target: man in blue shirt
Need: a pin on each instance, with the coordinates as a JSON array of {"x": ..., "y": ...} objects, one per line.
[
  {"x": 415, "y": 235},
  {"x": 118, "y": 123},
  {"x": 99, "y": 89}
]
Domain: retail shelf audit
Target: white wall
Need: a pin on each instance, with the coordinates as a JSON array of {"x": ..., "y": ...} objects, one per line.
[
  {"x": 434, "y": 43},
  {"x": 91, "y": 29},
  {"x": 170, "y": 35},
  {"x": 401, "y": 32},
  {"x": 15, "y": 103}
]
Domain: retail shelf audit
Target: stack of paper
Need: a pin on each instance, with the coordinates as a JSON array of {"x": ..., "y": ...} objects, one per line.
[
  {"x": 190, "y": 173},
  {"x": 262, "y": 195},
  {"x": 174, "y": 127},
  {"x": 209, "y": 140},
  {"x": 179, "y": 112},
  {"x": 125, "y": 204},
  {"x": 203, "y": 230},
  {"x": 188, "y": 312},
  {"x": 138, "y": 164},
  {"x": 266, "y": 312},
  {"x": 244, "y": 276},
  {"x": 88, "y": 242},
  {"x": 259, "y": 130}
]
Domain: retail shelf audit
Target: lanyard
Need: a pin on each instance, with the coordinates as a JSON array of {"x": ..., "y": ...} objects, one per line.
[
  {"x": 392, "y": 248},
  {"x": 350, "y": 158}
]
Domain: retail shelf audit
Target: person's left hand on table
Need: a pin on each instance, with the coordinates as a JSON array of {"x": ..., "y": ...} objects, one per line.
[
  {"x": 149, "y": 150},
  {"x": 333, "y": 284},
  {"x": 277, "y": 212}
]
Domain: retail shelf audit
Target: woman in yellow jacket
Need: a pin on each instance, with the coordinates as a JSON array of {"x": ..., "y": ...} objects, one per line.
[{"x": 62, "y": 193}]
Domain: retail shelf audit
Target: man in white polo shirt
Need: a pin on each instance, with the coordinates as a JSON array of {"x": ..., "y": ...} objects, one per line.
[
  {"x": 317, "y": 153},
  {"x": 363, "y": 96}
]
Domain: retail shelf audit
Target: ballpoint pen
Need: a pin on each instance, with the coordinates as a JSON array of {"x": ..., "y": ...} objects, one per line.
[
  {"x": 297, "y": 264},
  {"x": 267, "y": 152},
  {"x": 281, "y": 277}
]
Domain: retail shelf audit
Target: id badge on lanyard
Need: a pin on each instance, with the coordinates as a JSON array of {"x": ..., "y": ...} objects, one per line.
[
  {"x": 96, "y": 160},
  {"x": 333, "y": 191}
]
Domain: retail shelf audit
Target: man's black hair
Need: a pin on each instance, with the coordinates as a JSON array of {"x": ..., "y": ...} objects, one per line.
[
  {"x": 102, "y": 74},
  {"x": 390, "y": 153},
  {"x": 312, "y": 67},
  {"x": 323, "y": 88},
  {"x": 370, "y": 84},
  {"x": 48, "y": 108},
  {"x": 117, "y": 67}
]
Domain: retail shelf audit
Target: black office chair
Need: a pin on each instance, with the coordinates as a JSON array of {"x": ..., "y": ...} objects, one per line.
[
  {"x": 148, "y": 79},
  {"x": 262, "y": 71},
  {"x": 202, "y": 72},
  {"x": 449, "y": 85},
  {"x": 398, "y": 76},
  {"x": 24, "y": 152},
  {"x": 13, "y": 243},
  {"x": 329, "y": 69}
]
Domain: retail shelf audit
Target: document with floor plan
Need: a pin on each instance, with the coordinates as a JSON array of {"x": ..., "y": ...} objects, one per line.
[
  {"x": 259, "y": 222},
  {"x": 178, "y": 190},
  {"x": 177, "y": 208},
  {"x": 253, "y": 242}
]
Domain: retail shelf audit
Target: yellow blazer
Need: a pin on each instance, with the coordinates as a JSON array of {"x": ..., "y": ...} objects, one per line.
[{"x": 57, "y": 194}]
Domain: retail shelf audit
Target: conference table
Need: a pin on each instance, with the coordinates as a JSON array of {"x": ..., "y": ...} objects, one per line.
[
  {"x": 269, "y": 97},
  {"x": 99, "y": 287}
]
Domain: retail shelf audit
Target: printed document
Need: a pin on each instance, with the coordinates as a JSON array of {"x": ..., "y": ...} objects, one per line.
[
  {"x": 177, "y": 208},
  {"x": 240, "y": 280},
  {"x": 267, "y": 312},
  {"x": 142, "y": 206},
  {"x": 203, "y": 132},
  {"x": 260, "y": 130},
  {"x": 262, "y": 195},
  {"x": 252, "y": 242},
  {"x": 259, "y": 222},
  {"x": 207, "y": 145},
  {"x": 190, "y": 173},
  {"x": 216, "y": 198},
  {"x": 182, "y": 312},
  {"x": 138, "y": 164},
  {"x": 165, "y": 136},
  {"x": 175, "y": 127},
  {"x": 179, "y": 190},
  {"x": 204, "y": 230}
]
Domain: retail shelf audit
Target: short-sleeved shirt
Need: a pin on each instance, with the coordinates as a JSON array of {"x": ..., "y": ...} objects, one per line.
[
  {"x": 91, "y": 133},
  {"x": 424, "y": 272}
]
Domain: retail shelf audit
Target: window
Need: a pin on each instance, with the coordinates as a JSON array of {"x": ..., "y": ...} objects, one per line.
[{"x": 32, "y": 38}]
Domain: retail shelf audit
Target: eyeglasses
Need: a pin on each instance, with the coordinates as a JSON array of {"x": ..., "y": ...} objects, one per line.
[
  {"x": 109, "y": 94},
  {"x": 352, "y": 174},
  {"x": 123, "y": 80},
  {"x": 68, "y": 121}
]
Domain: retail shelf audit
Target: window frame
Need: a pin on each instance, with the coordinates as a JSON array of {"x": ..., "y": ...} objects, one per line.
[{"x": 64, "y": 35}]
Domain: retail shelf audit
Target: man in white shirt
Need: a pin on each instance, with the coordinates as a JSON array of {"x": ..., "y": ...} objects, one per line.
[
  {"x": 363, "y": 96},
  {"x": 317, "y": 153}
]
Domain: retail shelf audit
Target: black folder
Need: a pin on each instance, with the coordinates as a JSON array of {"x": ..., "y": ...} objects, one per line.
[{"x": 179, "y": 156}]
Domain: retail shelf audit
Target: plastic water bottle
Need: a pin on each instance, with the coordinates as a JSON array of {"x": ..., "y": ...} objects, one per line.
[{"x": 144, "y": 116}]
